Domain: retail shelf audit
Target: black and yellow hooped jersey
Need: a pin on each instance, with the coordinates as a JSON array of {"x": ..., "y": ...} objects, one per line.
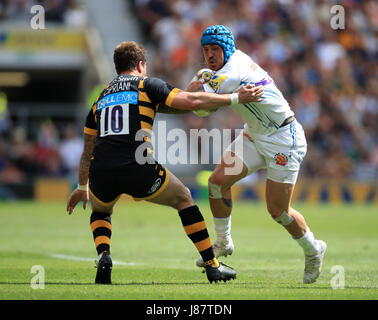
[{"x": 126, "y": 106}]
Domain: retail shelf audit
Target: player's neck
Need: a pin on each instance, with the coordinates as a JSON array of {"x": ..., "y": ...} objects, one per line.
[{"x": 132, "y": 73}]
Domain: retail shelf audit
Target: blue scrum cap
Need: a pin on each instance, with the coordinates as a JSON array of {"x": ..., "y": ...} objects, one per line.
[{"x": 222, "y": 36}]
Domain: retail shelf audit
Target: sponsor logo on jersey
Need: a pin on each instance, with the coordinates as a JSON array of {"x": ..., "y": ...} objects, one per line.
[
  {"x": 216, "y": 81},
  {"x": 155, "y": 186},
  {"x": 118, "y": 98},
  {"x": 281, "y": 159},
  {"x": 262, "y": 82}
]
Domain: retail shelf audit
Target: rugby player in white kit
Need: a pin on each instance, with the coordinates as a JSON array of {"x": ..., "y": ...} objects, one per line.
[{"x": 272, "y": 139}]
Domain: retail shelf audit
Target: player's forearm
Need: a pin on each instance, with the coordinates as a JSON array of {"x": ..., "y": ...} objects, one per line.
[
  {"x": 200, "y": 100},
  {"x": 84, "y": 169},
  {"x": 169, "y": 110},
  {"x": 210, "y": 101},
  {"x": 85, "y": 159}
]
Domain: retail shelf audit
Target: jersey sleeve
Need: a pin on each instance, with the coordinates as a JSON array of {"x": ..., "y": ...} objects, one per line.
[
  {"x": 90, "y": 123},
  {"x": 160, "y": 91}
]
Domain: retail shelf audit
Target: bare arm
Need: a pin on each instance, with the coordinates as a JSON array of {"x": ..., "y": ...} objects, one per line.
[
  {"x": 85, "y": 160},
  {"x": 82, "y": 195},
  {"x": 163, "y": 108},
  {"x": 208, "y": 101}
]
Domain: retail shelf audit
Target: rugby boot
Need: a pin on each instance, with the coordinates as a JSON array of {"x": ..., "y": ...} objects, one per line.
[
  {"x": 104, "y": 269},
  {"x": 220, "y": 273},
  {"x": 313, "y": 264}
]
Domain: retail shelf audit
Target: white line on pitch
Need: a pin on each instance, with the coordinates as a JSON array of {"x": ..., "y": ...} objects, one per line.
[{"x": 67, "y": 257}]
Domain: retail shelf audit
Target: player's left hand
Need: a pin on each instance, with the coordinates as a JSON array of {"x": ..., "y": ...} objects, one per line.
[
  {"x": 257, "y": 92},
  {"x": 75, "y": 197},
  {"x": 250, "y": 93}
]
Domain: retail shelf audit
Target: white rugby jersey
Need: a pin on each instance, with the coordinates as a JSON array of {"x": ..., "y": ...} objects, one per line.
[{"x": 263, "y": 117}]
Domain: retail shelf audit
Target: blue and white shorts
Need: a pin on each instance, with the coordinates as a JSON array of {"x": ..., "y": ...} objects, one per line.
[{"x": 281, "y": 153}]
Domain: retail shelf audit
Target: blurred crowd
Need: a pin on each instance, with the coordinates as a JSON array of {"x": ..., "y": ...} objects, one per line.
[
  {"x": 66, "y": 12},
  {"x": 329, "y": 77},
  {"x": 52, "y": 152}
]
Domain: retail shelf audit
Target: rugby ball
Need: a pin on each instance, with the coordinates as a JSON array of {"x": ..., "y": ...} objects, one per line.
[
  {"x": 202, "y": 113},
  {"x": 205, "y": 75}
]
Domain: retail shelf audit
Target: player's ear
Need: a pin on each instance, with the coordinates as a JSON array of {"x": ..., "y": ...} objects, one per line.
[{"x": 142, "y": 68}]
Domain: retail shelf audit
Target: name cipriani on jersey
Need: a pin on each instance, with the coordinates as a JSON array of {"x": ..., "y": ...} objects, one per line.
[
  {"x": 124, "y": 109},
  {"x": 263, "y": 117}
]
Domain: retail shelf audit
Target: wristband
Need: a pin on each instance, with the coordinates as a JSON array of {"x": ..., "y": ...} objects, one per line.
[
  {"x": 234, "y": 98},
  {"x": 82, "y": 187}
]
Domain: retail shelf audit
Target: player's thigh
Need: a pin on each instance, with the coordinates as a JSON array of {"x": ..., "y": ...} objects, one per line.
[
  {"x": 103, "y": 193},
  {"x": 225, "y": 174},
  {"x": 240, "y": 159},
  {"x": 101, "y": 207},
  {"x": 279, "y": 189},
  {"x": 175, "y": 195}
]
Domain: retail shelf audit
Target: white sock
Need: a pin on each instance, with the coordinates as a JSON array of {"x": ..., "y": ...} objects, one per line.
[
  {"x": 308, "y": 243},
  {"x": 222, "y": 228}
]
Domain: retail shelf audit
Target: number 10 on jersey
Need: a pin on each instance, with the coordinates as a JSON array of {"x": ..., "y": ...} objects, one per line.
[{"x": 114, "y": 120}]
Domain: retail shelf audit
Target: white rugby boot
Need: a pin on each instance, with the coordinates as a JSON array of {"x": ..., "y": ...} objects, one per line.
[
  {"x": 313, "y": 264},
  {"x": 222, "y": 248}
]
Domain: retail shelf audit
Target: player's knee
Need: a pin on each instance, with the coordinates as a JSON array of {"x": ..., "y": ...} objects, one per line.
[
  {"x": 279, "y": 214},
  {"x": 187, "y": 196},
  {"x": 100, "y": 208},
  {"x": 274, "y": 210},
  {"x": 215, "y": 189},
  {"x": 284, "y": 218},
  {"x": 218, "y": 183},
  {"x": 183, "y": 198}
]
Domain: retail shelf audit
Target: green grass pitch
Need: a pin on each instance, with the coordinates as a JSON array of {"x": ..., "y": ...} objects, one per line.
[{"x": 156, "y": 259}]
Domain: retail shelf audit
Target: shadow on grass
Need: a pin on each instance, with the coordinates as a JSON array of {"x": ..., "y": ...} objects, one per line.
[
  {"x": 235, "y": 284},
  {"x": 113, "y": 284}
]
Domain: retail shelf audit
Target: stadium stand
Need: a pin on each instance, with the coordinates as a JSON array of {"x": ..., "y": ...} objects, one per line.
[{"x": 328, "y": 77}]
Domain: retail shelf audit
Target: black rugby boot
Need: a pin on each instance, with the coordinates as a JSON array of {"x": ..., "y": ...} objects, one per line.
[{"x": 104, "y": 269}]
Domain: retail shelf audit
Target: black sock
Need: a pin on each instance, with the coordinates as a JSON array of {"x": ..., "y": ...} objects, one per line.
[
  {"x": 102, "y": 231},
  {"x": 195, "y": 228}
]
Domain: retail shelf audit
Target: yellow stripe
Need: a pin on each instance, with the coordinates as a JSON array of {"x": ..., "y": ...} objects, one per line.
[
  {"x": 203, "y": 245},
  {"x": 147, "y": 112},
  {"x": 212, "y": 262},
  {"x": 101, "y": 239},
  {"x": 195, "y": 227},
  {"x": 100, "y": 223},
  {"x": 171, "y": 96},
  {"x": 105, "y": 204},
  {"x": 161, "y": 189},
  {"x": 145, "y": 125},
  {"x": 90, "y": 131},
  {"x": 141, "y": 84},
  {"x": 143, "y": 97}
]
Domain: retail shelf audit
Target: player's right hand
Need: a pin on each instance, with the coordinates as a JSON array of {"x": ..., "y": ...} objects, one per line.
[
  {"x": 194, "y": 86},
  {"x": 75, "y": 197}
]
